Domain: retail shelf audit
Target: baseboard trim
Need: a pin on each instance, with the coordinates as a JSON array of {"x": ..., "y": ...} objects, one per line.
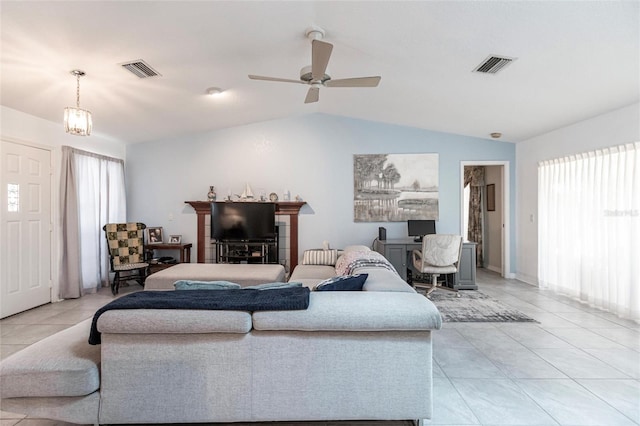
[
  {"x": 494, "y": 269},
  {"x": 527, "y": 279},
  {"x": 507, "y": 275}
]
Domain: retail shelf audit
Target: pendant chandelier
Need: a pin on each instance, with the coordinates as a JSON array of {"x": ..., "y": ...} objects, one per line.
[{"x": 77, "y": 121}]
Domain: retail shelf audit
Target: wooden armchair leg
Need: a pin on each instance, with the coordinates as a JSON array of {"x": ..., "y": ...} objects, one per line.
[
  {"x": 116, "y": 283},
  {"x": 142, "y": 276}
]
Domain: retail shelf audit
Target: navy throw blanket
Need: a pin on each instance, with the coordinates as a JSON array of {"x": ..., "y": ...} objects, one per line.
[{"x": 281, "y": 299}]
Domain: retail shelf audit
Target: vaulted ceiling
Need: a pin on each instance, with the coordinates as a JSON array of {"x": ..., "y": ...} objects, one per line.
[{"x": 575, "y": 60}]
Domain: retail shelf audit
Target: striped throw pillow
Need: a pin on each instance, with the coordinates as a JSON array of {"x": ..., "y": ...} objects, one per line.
[{"x": 320, "y": 257}]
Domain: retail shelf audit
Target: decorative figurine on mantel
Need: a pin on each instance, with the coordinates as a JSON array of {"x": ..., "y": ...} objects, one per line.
[
  {"x": 247, "y": 194},
  {"x": 211, "y": 195}
]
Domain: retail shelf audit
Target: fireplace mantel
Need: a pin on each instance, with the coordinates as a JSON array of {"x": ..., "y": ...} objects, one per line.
[{"x": 290, "y": 208}]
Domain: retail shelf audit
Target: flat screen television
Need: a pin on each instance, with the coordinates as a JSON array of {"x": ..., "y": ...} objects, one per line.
[
  {"x": 418, "y": 228},
  {"x": 238, "y": 221}
]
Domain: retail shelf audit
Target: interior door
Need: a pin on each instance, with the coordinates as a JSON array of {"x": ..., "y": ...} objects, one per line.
[{"x": 25, "y": 227}]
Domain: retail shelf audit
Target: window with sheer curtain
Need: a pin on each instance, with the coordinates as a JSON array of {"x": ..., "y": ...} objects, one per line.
[
  {"x": 589, "y": 228},
  {"x": 92, "y": 195}
]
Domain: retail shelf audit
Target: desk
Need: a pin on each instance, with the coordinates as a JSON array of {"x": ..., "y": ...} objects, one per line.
[
  {"x": 398, "y": 252},
  {"x": 185, "y": 250}
]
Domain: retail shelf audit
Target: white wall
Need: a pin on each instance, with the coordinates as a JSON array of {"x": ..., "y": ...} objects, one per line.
[
  {"x": 312, "y": 156},
  {"x": 614, "y": 128},
  {"x": 16, "y": 126}
]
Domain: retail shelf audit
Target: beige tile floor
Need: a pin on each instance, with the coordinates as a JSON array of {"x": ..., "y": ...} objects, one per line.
[{"x": 577, "y": 366}]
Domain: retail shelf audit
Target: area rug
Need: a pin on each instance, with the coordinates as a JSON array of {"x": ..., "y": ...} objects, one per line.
[{"x": 474, "y": 306}]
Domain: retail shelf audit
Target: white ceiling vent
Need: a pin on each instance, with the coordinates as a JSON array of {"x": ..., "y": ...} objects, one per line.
[
  {"x": 493, "y": 64},
  {"x": 140, "y": 68}
]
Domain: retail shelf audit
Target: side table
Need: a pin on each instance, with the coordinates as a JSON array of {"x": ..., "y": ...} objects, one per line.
[{"x": 185, "y": 250}]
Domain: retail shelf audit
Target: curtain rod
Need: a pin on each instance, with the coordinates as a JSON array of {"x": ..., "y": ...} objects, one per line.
[{"x": 92, "y": 154}]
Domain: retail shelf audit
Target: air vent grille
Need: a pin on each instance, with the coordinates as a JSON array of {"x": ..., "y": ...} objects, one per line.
[
  {"x": 140, "y": 68},
  {"x": 493, "y": 64}
]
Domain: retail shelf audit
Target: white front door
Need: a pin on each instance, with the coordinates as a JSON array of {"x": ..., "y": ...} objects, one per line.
[{"x": 25, "y": 227}]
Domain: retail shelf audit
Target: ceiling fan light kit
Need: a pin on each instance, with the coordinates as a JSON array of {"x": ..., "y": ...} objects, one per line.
[
  {"x": 77, "y": 121},
  {"x": 315, "y": 75}
]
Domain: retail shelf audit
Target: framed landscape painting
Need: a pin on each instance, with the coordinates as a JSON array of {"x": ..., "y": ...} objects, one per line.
[{"x": 395, "y": 187}]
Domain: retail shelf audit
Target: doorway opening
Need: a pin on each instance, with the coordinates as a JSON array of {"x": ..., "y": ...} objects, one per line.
[{"x": 495, "y": 217}]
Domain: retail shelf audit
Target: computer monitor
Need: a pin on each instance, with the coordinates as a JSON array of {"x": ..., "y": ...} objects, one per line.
[{"x": 418, "y": 228}]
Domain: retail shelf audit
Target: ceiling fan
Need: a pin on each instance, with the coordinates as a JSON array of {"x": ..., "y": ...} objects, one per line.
[{"x": 315, "y": 74}]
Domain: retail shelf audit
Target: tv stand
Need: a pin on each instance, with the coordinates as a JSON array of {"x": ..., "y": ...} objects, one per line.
[{"x": 248, "y": 251}]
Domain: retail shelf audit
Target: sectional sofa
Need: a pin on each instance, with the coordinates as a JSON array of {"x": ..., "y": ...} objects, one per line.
[{"x": 352, "y": 355}]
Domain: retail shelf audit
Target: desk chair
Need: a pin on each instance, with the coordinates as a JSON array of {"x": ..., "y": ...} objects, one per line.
[
  {"x": 126, "y": 252},
  {"x": 440, "y": 254}
]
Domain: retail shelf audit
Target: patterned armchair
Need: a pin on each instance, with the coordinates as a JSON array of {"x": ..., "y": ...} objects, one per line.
[
  {"x": 126, "y": 253},
  {"x": 440, "y": 255}
]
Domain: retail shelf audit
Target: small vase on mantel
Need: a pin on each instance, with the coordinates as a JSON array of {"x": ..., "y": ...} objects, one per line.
[{"x": 211, "y": 195}]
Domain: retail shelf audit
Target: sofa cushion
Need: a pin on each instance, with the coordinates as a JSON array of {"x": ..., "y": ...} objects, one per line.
[
  {"x": 205, "y": 285},
  {"x": 319, "y": 272},
  {"x": 355, "y": 311},
  {"x": 381, "y": 279},
  {"x": 310, "y": 275},
  {"x": 342, "y": 283},
  {"x": 160, "y": 321},
  {"x": 243, "y": 274},
  {"x": 63, "y": 364}
]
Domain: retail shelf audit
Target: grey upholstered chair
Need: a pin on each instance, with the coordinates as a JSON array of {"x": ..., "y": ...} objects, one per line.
[{"x": 440, "y": 254}]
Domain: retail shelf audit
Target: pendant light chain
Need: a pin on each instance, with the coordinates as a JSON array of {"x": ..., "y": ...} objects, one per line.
[{"x": 78, "y": 91}]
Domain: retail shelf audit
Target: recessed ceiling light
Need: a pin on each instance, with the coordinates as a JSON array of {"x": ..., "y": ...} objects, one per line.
[{"x": 214, "y": 91}]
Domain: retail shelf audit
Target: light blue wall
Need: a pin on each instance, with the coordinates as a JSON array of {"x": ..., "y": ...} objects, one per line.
[{"x": 311, "y": 156}]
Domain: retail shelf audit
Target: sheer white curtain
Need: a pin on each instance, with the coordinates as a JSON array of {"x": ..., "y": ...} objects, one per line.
[
  {"x": 93, "y": 194},
  {"x": 589, "y": 228}
]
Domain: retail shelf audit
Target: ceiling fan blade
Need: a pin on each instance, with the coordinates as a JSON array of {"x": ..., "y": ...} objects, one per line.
[
  {"x": 312, "y": 95},
  {"x": 320, "y": 54},
  {"x": 282, "y": 80},
  {"x": 354, "y": 82}
]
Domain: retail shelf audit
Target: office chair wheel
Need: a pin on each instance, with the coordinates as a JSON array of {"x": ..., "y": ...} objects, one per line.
[{"x": 457, "y": 294}]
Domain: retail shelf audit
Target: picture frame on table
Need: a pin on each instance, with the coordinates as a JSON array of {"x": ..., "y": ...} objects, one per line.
[
  {"x": 175, "y": 239},
  {"x": 155, "y": 235}
]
